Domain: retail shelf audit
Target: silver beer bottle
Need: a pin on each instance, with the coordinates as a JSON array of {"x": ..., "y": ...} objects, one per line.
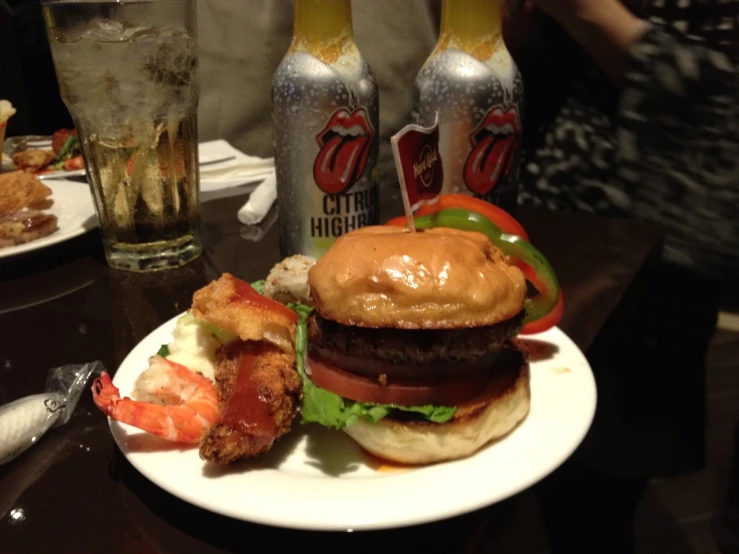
[
  {"x": 326, "y": 116},
  {"x": 471, "y": 80}
]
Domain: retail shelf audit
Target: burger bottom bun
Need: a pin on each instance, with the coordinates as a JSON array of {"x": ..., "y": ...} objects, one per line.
[{"x": 492, "y": 414}]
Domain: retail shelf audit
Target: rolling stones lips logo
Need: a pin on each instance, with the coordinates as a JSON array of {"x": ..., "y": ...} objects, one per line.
[
  {"x": 494, "y": 144},
  {"x": 345, "y": 144}
]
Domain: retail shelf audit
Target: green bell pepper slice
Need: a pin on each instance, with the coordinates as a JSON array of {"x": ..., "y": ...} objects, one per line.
[{"x": 517, "y": 248}]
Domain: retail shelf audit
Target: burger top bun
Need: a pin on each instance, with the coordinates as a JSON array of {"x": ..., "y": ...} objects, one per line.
[{"x": 384, "y": 276}]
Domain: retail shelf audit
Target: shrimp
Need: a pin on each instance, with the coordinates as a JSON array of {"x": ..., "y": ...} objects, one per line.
[{"x": 187, "y": 403}]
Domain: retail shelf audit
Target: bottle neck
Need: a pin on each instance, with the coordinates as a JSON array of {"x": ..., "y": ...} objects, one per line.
[
  {"x": 474, "y": 26},
  {"x": 322, "y": 27}
]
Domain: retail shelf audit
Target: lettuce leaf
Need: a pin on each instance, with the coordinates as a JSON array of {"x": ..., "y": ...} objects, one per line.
[
  {"x": 258, "y": 286},
  {"x": 221, "y": 335},
  {"x": 330, "y": 409}
]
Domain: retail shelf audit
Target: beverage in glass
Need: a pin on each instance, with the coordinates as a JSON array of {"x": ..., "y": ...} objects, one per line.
[{"x": 127, "y": 72}]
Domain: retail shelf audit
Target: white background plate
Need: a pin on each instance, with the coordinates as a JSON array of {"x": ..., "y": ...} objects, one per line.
[
  {"x": 33, "y": 143},
  {"x": 320, "y": 479},
  {"x": 75, "y": 214}
]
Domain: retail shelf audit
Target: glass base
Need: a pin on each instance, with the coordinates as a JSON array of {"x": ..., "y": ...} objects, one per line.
[{"x": 153, "y": 256}]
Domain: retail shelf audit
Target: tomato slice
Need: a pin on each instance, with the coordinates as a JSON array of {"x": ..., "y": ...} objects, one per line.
[
  {"x": 129, "y": 167},
  {"x": 450, "y": 392},
  {"x": 59, "y": 139},
  {"x": 74, "y": 163},
  {"x": 507, "y": 223}
]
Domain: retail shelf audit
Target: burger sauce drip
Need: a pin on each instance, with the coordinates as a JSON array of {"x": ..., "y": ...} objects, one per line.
[
  {"x": 247, "y": 411},
  {"x": 246, "y": 294}
]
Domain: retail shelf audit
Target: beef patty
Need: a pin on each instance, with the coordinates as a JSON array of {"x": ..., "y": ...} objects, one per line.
[{"x": 414, "y": 346}]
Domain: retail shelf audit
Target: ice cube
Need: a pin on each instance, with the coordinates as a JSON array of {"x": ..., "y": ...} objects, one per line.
[
  {"x": 104, "y": 30},
  {"x": 172, "y": 58}
]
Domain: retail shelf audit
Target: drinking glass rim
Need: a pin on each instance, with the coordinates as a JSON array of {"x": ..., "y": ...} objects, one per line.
[{"x": 111, "y": 2}]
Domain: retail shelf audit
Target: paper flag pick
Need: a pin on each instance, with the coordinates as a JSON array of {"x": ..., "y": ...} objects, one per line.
[{"x": 418, "y": 162}]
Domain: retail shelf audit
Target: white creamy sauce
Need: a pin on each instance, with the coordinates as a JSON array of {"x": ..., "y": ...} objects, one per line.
[{"x": 194, "y": 346}]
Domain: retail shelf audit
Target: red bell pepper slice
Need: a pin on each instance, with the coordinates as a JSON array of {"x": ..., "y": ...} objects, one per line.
[
  {"x": 400, "y": 221},
  {"x": 548, "y": 321},
  {"x": 552, "y": 318}
]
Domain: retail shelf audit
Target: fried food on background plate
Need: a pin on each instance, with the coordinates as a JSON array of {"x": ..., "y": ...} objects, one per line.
[
  {"x": 21, "y": 194},
  {"x": 25, "y": 226},
  {"x": 33, "y": 161},
  {"x": 259, "y": 395},
  {"x": 20, "y": 190}
]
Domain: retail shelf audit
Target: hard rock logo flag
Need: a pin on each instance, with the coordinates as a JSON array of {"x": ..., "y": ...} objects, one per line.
[{"x": 418, "y": 162}]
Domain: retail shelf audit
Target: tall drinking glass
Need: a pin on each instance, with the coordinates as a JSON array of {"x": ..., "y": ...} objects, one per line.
[{"x": 127, "y": 71}]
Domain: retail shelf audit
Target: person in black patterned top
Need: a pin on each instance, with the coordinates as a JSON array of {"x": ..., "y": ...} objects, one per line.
[
  {"x": 662, "y": 140},
  {"x": 633, "y": 111}
]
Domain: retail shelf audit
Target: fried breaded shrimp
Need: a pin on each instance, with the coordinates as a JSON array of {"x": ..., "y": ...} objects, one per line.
[
  {"x": 259, "y": 394},
  {"x": 235, "y": 306},
  {"x": 19, "y": 190},
  {"x": 32, "y": 161}
]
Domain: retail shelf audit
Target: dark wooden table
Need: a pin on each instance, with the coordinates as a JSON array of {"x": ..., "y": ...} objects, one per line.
[{"x": 74, "y": 492}]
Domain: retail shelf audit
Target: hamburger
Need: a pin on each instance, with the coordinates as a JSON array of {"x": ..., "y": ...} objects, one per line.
[{"x": 411, "y": 343}]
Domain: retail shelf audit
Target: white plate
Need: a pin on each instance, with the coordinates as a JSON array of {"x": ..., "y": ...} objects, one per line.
[
  {"x": 60, "y": 174},
  {"x": 75, "y": 214},
  {"x": 320, "y": 479}
]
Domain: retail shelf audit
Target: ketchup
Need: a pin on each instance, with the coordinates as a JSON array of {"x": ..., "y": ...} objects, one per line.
[
  {"x": 245, "y": 293},
  {"x": 248, "y": 409}
]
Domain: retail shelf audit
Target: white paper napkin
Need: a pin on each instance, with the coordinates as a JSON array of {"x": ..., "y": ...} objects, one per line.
[
  {"x": 259, "y": 203},
  {"x": 240, "y": 170}
]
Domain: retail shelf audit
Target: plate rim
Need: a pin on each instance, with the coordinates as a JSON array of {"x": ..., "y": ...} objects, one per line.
[{"x": 89, "y": 223}]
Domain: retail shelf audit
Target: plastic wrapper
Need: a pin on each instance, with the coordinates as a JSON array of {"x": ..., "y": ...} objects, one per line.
[{"x": 24, "y": 421}]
